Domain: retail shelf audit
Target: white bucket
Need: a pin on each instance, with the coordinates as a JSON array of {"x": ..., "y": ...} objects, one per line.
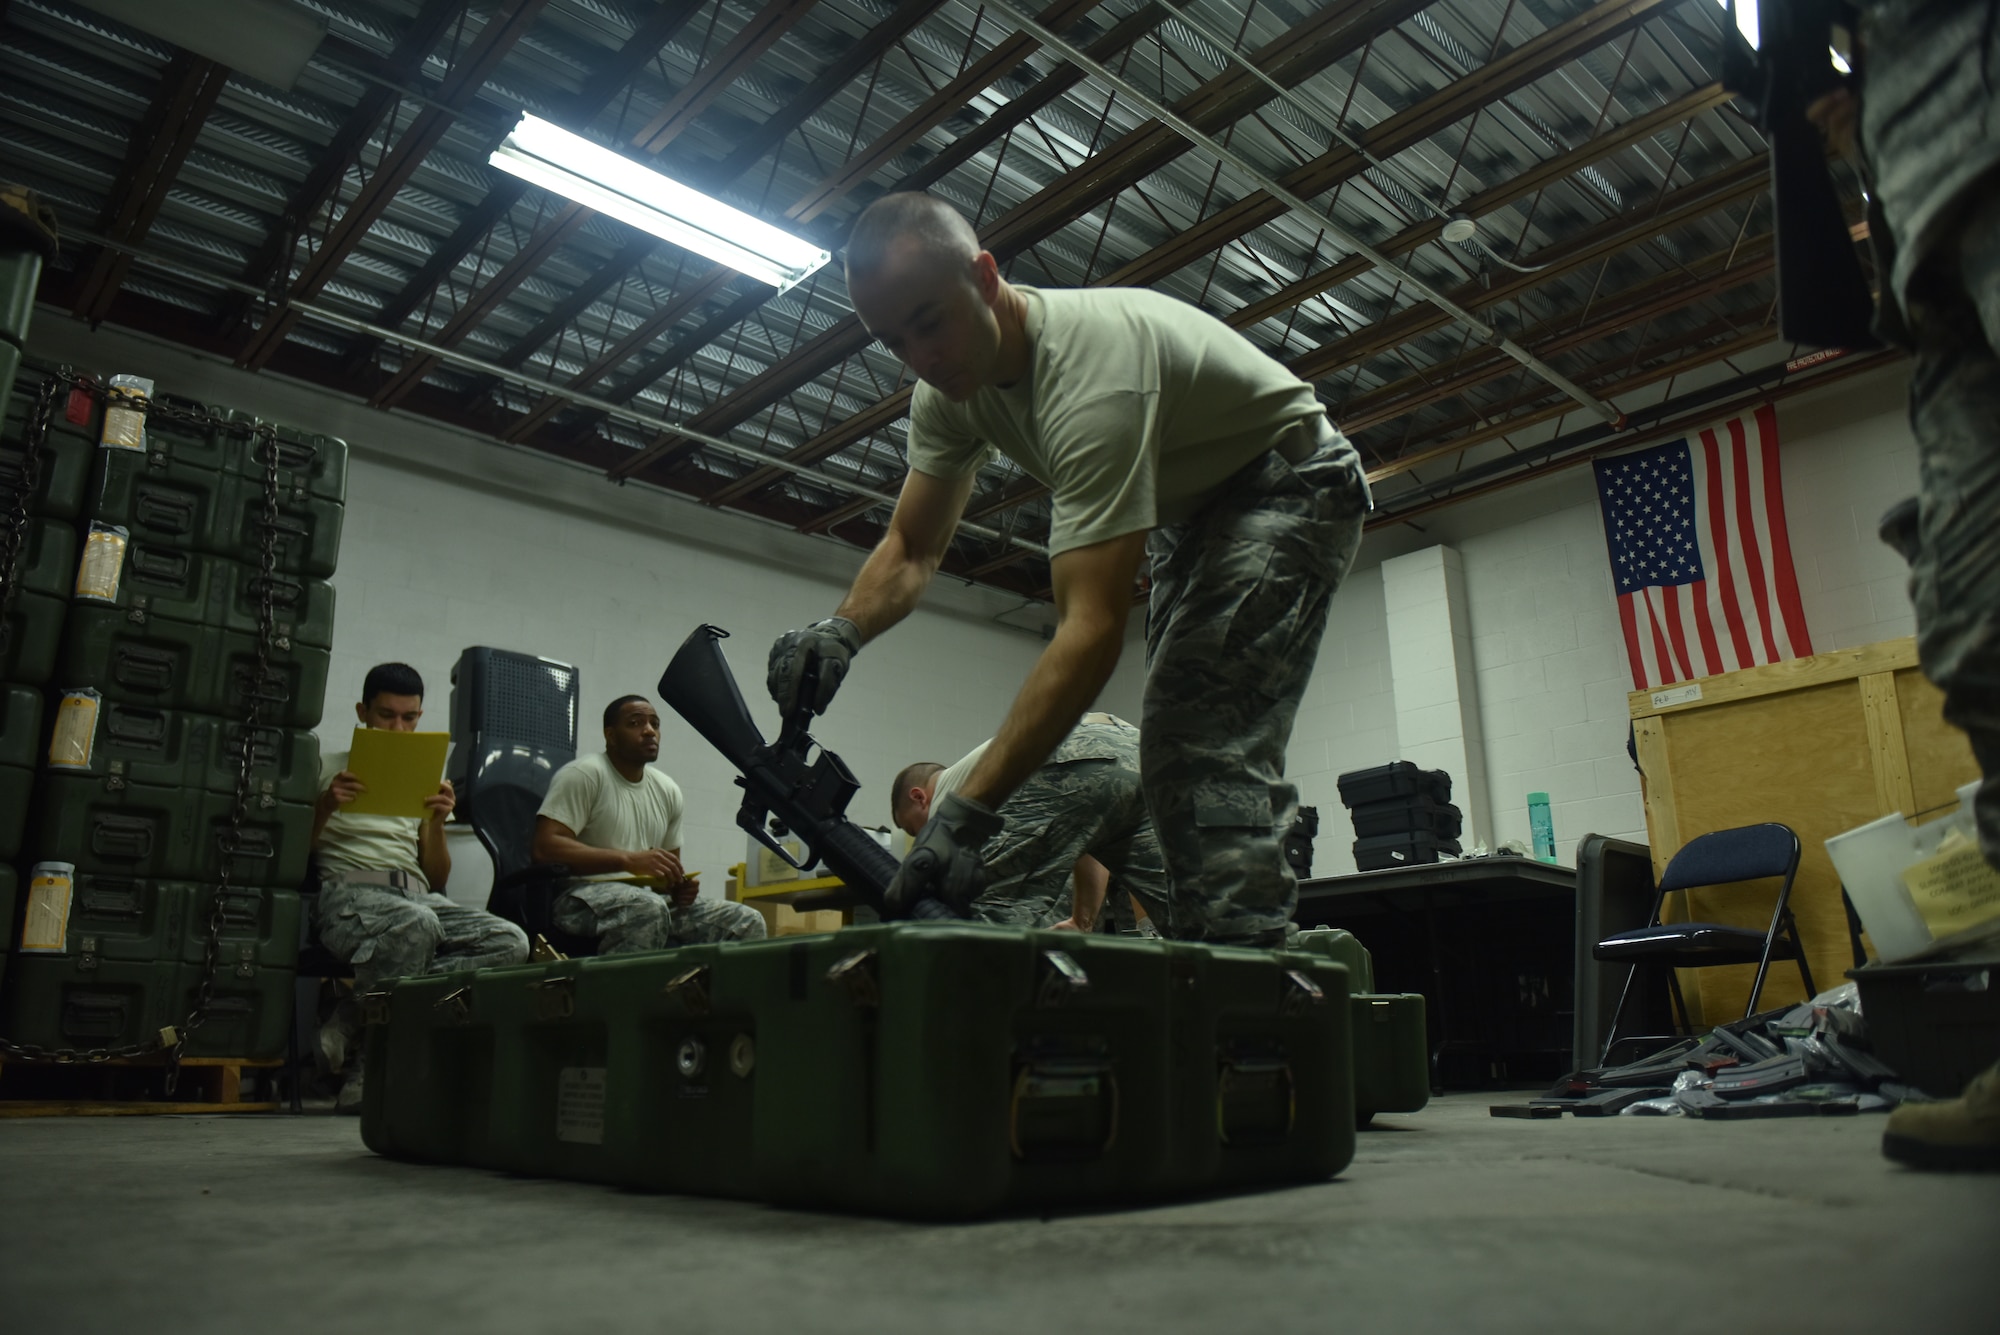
[{"x": 1871, "y": 861}]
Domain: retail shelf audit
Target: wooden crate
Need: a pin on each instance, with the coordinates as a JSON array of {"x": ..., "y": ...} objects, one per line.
[
  {"x": 127, "y": 1088},
  {"x": 1821, "y": 744}
]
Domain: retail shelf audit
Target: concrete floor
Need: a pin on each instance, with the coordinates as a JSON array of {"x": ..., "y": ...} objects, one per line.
[{"x": 1448, "y": 1220}]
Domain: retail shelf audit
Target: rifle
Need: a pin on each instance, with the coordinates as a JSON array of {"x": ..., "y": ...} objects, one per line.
[
  {"x": 1823, "y": 297},
  {"x": 808, "y": 799}
]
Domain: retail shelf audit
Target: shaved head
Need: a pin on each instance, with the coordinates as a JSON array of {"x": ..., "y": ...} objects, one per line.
[
  {"x": 908, "y": 225},
  {"x": 922, "y": 285}
]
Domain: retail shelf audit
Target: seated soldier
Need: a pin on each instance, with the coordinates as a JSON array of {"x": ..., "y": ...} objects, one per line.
[
  {"x": 379, "y": 908},
  {"x": 612, "y": 818},
  {"x": 1081, "y": 817}
]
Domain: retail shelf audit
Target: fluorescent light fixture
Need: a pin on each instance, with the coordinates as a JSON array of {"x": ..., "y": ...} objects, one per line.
[
  {"x": 1746, "y": 18},
  {"x": 575, "y": 168}
]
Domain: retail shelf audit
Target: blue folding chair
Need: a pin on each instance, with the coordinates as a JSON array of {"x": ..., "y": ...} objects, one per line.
[{"x": 1750, "y": 853}]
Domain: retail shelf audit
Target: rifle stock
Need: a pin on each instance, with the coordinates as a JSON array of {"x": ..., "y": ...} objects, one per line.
[{"x": 808, "y": 799}]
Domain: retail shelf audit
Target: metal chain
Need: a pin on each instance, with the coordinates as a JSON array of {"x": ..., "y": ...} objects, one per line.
[
  {"x": 14, "y": 525},
  {"x": 174, "y": 1039}
]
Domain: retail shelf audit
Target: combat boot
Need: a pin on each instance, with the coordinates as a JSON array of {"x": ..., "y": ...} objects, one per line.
[
  {"x": 348, "y": 1102},
  {"x": 1960, "y": 1133}
]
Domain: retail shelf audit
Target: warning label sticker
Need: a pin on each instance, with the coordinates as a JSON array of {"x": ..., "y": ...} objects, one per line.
[
  {"x": 45, "y": 928},
  {"x": 580, "y": 1105}
]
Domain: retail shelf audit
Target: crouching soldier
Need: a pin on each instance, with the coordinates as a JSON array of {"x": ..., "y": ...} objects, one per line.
[{"x": 1078, "y": 821}]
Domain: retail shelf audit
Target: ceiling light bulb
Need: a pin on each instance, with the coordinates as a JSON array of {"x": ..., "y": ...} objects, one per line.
[{"x": 1459, "y": 229}]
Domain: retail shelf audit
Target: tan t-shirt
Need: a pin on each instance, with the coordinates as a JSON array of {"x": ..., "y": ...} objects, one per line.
[
  {"x": 1135, "y": 408},
  {"x": 366, "y": 843},
  {"x": 604, "y": 809}
]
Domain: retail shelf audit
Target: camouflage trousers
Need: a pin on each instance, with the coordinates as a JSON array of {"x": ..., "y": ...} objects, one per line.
[
  {"x": 1087, "y": 798},
  {"x": 1239, "y": 601},
  {"x": 388, "y": 932},
  {"x": 630, "y": 918},
  {"x": 1953, "y": 316}
]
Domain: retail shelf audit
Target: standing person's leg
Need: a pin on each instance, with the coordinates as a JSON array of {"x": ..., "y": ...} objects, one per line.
[
  {"x": 1240, "y": 598},
  {"x": 624, "y": 918},
  {"x": 1955, "y": 414},
  {"x": 473, "y": 938}
]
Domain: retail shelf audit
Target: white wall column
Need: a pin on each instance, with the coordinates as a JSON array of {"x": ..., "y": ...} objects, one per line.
[{"x": 1432, "y": 672}]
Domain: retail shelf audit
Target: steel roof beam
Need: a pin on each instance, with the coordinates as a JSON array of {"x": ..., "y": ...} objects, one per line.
[
  {"x": 746, "y": 155},
  {"x": 344, "y": 149},
  {"x": 1698, "y": 408},
  {"x": 1631, "y": 234},
  {"x": 506, "y": 25},
  {"x": 604, "y": 83},
  {"x": 1536, "y": 178},
  {"x": 1737, "y": 181},
  {"x": 847, "y": 336},
  {"x": 551, "y": 235},
  {"x": 1642, "y": 303},
  {"x": 159, "y": 145},
  {"x": 921, "y": 120}
]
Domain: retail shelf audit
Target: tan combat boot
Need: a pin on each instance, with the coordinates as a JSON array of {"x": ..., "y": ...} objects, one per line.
[{"x": 1962, "y": 1133}]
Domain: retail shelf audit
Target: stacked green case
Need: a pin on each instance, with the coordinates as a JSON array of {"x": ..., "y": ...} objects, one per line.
[
  {"x": 1392, "y": 1069},
  {"x": 20, "y": 735},
  {"x": 150, "y": 641},
  {"x": 921, "y": 1071}
]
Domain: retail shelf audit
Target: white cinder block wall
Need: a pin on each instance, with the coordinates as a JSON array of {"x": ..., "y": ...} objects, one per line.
[
  {"x": 1547, "y": 652},
  {"x": 453, "y": 540}
]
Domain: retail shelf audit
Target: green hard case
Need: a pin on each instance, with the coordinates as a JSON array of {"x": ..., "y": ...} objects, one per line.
[
  {"x": 119, "y": 827},
  {"x": 168, "y": 498},
  {"x": 61, "y": 1001},
  {"x": 165, "y": 664},
  {"x": 196, "y": 587},
  {"x": 915, "y": 1070},
  {"x": 63, "y": 479},
  {"x": 1392, "y": 1070},
  {"x": 168, "y": 748}
]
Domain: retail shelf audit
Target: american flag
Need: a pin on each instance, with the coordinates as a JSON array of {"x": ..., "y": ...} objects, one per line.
[{"x": 1699, "y": 553}]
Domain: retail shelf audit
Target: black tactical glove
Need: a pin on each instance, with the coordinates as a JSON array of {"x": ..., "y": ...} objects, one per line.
[
  {"x": 944, "y": 862},
  {"x": 829, "y": 643}
]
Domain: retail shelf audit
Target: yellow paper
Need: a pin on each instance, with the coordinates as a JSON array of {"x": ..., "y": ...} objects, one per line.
[
  {"x": 1956, "y": 888},
  {"x": 399, "y": 770}
]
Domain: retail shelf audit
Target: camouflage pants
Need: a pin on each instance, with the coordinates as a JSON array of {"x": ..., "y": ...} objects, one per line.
[
  {"x": 1953, "y": 312},
  {"x": 630, "y": 918},
  {"x": 386, "y": 932},
  {"x": 1086, "y": 799},
  {"x": 1239, "y": 601}
]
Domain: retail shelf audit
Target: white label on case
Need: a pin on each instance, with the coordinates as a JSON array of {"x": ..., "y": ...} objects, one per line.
[
  {"x": 45, "y": 930},
  {"x": 580, "y": 1105}
]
